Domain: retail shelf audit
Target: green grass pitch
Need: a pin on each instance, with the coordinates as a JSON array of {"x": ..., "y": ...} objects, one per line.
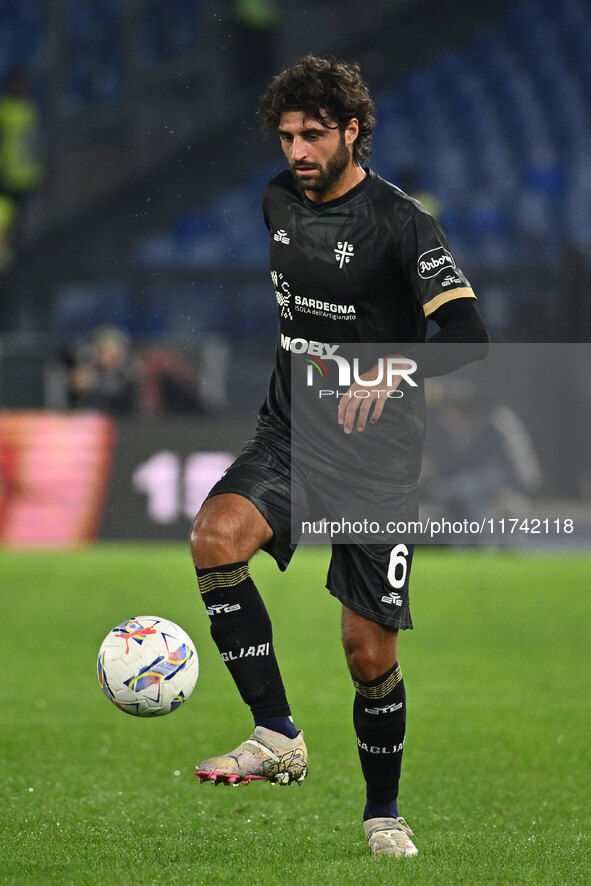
[{"x": 497, "y": 760}]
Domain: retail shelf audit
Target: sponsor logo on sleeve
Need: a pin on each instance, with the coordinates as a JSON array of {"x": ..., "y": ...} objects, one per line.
[
  {"x": 433, "y": 261},
  {"x": 450, "y": 280}
]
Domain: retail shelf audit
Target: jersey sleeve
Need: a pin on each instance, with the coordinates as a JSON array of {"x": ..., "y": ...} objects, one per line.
[{"x": 429, "y": 264}]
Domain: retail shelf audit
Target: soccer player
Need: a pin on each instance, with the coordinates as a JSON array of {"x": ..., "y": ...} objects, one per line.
[{"x": 374, "y": 265}]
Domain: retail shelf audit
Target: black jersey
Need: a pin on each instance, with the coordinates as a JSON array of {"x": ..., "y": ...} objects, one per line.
[{"x": 368, "y": 267}]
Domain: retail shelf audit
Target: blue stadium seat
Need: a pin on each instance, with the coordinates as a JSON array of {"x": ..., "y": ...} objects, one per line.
[
  {"x": 80, "y": 307},
  {"x": 170, "y": 28},
  {"x": 498, "y": 129}
]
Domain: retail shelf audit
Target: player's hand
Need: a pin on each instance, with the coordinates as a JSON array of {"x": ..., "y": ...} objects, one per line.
[{"x": 366, "y": 402}]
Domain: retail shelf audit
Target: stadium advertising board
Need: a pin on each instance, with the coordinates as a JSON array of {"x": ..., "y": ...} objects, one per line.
[
  {"x": 53, "y": 474},
  {"x": 505, "y": 457},
  {"x": 67, "y": 479},
  {"x": 162, "y": 471}
]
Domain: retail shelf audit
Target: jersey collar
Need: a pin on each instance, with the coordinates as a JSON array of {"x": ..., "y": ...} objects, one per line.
[{"x": 338, "y": 201}]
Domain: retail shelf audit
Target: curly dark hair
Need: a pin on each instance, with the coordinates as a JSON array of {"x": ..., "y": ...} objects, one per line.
[{"x": 325, "y": 89}]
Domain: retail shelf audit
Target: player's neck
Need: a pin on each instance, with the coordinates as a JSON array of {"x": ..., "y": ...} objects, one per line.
[{"x": 349, "y": 180}]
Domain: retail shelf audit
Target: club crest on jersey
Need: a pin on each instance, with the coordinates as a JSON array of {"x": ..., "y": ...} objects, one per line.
[{"x": 344, "y": 252}]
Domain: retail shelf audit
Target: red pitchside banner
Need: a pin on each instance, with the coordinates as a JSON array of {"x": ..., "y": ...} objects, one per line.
[{"x": 54, "y": 472}]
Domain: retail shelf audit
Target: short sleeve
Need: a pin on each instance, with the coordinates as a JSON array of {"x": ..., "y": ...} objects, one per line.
[{"x": 429, "y": 264}]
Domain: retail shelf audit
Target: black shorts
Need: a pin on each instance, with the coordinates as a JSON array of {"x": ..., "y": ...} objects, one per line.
[{"x": 370, "y": 579}]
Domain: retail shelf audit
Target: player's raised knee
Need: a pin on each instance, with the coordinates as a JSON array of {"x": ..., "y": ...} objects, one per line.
[
  {"x": 227, "y": 529},
  {"x": 213, "y": 538}
]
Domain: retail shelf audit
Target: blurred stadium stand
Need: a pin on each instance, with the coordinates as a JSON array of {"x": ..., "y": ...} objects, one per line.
[{"x": 151, "y": 218}]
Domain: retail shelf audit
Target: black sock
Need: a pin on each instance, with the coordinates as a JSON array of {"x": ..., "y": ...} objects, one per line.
[
  {"x": 241, "y": 629},
  {"x": 379, "y": 717},
  {"x": 284, "y": 725}
]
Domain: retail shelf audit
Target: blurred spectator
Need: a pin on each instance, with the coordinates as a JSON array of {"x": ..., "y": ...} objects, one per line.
[
  {"x": 22, "y": 170},
  {"x": 22, "y": 166},
  {"x": 408, "y": 181},
  {"x": 168, "y": 383},
  {"x": 253, "y": 26},
  {"x": 7, "y": 218},
  {"x": 102, "y": 373},
  {"x": 480, "y": 460}
]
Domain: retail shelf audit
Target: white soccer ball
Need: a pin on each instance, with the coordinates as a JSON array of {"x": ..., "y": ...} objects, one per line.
[{"x": 147, "y": 666}]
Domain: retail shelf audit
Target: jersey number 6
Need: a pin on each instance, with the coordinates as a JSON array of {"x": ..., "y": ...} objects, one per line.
[{"x": 397, "y": 566}]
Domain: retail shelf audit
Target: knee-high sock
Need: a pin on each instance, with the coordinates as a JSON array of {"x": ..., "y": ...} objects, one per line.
[
  {"x": 241, "y": 629},
  {"x": 379, "y": 717}
]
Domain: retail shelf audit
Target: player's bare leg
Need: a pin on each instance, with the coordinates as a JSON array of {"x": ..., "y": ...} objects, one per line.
[
  {"x": 369, "y": 647},
  {"x": 228, "y": 530},
  {"x": 379, "y": 717}
]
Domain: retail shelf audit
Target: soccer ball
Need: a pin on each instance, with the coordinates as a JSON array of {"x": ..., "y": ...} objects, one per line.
[{"x": 147, "y": 666}]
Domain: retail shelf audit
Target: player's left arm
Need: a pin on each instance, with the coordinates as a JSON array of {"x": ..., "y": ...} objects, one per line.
[
  {"x": 462, "y": 338},
  {"x": 354, "y": 412},
  {"x": 445, "y": 296}
]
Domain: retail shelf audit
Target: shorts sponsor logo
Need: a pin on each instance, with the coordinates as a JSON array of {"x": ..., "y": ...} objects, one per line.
[
  {"x": 433, "y": 261},
  {"x": 393, "y": 599},
  {"x": 246, "y": 652}
]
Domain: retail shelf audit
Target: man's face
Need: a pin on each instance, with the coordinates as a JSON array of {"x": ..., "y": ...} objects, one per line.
[{"x": 318, "y": 157}]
